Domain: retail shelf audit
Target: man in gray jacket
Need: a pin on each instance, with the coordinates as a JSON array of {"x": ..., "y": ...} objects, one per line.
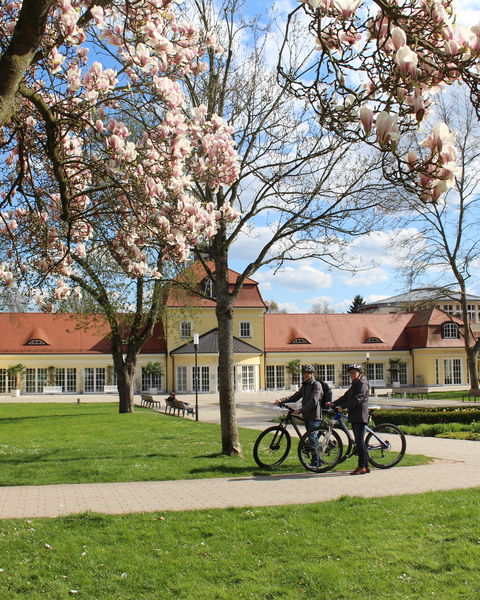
[
  {"x": 310, "y": 393},
  {"x": 355, "y": 400}
]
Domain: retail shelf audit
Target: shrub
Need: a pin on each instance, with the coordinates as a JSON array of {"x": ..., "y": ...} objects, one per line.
[
  {"x": 417, "y": 416},
  {"x": 435, "y": 429},
  {"x": 461, "y": 435}
]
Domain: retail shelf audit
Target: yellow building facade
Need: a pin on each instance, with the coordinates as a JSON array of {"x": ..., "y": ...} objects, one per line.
[{"x": 56, "y": 353}]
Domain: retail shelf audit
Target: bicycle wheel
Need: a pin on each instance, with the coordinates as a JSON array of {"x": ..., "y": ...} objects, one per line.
[
  {"x": 330, "y": 450},
  {"x": 348, "y": 445},
  {"x": 389, "y": 449},
  {"x": 272, "y": 447}
]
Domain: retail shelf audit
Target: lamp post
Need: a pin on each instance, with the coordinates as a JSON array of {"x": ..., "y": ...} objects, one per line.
[
  {"x": 367, "y": 356},
  {"x": 195, "y": 347}
]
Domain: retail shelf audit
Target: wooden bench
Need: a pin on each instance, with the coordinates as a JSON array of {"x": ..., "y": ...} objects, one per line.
[
  {"x": 471, "y": 396},
  {"x": 411, "y": 392},
  {"x": 110, "y": 389},
  {"x": 149, "y": 401},
  {"x": 177, "y": 406},
  {"x": 52, "y": 389}
]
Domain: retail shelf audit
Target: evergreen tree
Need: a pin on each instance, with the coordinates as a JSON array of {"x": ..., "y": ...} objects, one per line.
[{"x": 358, "y": 302}]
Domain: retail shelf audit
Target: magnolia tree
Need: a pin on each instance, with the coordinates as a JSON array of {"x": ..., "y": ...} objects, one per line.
[
  {"x": 376, "y": 68},
  {"x": 444, "y": 235},
  {"x": 100, "y": 152}
]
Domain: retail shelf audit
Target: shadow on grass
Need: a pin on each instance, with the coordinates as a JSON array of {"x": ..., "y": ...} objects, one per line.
[
  {"x": 5, "y": 420},
  {"x": 50, "y": 457}
]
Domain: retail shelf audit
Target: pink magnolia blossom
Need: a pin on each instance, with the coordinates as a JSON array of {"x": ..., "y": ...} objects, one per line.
[
  {"x": 387, "y": 129},
  {"x": 346, "y": 8},
  {"x": 440, "y": 136},
  {"x": 407, "y": 61},
  {"x": 399, "y": 38},
  {"x": 366, "y": 118}
]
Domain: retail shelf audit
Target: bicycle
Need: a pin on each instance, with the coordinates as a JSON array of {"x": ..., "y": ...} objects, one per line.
[
  {"x": 273, "y": 445},
  {"x": 386, "y": 443}
]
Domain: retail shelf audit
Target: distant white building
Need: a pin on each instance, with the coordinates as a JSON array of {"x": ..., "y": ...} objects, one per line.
[{"x": 422, "y": 298}]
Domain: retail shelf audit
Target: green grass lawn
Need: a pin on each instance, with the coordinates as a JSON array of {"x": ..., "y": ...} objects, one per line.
[
  {"x": 86, "y": 443},
  {"x": 398, "y": 548}
]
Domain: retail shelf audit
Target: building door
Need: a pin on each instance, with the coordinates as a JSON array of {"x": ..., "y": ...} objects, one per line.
[
  {"x": 35, "y": 380},
  {"x": 452, "y": 371},
  {"x": 204, "y": 378},
  {"x": 66, "y": 379},
  {"x": 181, "y": 379},
  {"x": 275, "y": 375},
  {"x": 94, "y": 380},
  {"x": 248, "y": 378}
]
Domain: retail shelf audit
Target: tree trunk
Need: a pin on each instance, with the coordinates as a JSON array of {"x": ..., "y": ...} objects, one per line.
[
  {"x": 472, "y": 366},
  {"x": 224, "y": 311},
  {"x": 125, "y": 370},
  {"x": 470, "y": 345}
]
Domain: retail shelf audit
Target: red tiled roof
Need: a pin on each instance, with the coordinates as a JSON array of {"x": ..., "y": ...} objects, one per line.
[
  {"x": 248, "y": 297},
  {"x": 64, "y": 334},
  {"x": 335, "y": 332},
  {"x": 349, "y": 332},
  {"x": 425, "y": 330}
]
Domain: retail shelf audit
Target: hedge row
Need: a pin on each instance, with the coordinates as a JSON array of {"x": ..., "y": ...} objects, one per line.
[{"x": 417, "y": 416}]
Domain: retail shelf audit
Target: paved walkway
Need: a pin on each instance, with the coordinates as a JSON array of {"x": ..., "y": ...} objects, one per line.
[{"x": 456, "y": 466}]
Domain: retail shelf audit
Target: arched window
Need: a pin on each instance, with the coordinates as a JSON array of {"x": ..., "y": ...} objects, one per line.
[
  {"x": 36, "y": 342},
  {"x": 209, "y": 288},
  {"x": 450, "y": 331},
  {"x": 299, "y": 341},
  {"x": 373, "y": 340}
]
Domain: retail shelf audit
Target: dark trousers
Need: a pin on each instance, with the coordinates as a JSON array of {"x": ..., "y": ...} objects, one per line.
[{"x": 359, "y": 434}]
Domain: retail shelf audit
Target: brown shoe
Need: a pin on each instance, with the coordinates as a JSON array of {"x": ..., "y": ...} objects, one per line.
[{"x": 360, "y": 471}]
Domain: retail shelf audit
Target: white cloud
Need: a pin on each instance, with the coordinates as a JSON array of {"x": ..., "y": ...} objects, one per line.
[
  {"x": 296, "y": 279},
  {"x": 369, "y": 277},
  {"x": 290, "y": 307},
  {"x": 468, "y": 12},
  {"x": 320, "y": 299},
  {"x": 343, "y": 305},
  {"x": 376, "y": 247}
]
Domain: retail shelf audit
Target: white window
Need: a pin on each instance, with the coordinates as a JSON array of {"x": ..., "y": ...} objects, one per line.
[
  {"x": 245, "y": 329},
  {"x": 402, "y": 373},
  {"x": 204, "y": 378},
  {"x": 35, "y": 380},
  {"x": 437, "y": 371},
  {"x": 325, "y": 372},
  {"x": 209, "y": 288},
  {"x": 450, "y": 331},
  {"x": 275, "y": 377},
  {"x": 66, "y": 379},
  {"x": 472, "y": 313},
  {"x": 6, "y": 383},
  {"x": 181, "y": 379},
  {"x": 151, "y": 380},
  {"x": 375, "y": 371},
  {"x": 186, "y": 328},
  {"x": 448, "y": 308},
  {"x": 248, "y": 378},
  {"x": 94, "y": 379},
  {"x": 452, "y": 371}
]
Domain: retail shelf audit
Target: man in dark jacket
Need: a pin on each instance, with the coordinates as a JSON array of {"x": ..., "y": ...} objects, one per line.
[
  {"x": 356, "y": 400},
  {"x": 310, "y": 393}
]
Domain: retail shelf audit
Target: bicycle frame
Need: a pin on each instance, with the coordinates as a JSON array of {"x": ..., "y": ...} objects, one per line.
[
  {"x": 339, "y": 418},
  {"x": 289, "y": 419}
]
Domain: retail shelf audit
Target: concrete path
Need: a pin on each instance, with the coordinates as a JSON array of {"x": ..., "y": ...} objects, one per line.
[{"x": 456, "y": 466}]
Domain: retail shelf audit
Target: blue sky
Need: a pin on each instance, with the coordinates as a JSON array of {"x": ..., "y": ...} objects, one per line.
[{"x": 301, "y": 284}]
